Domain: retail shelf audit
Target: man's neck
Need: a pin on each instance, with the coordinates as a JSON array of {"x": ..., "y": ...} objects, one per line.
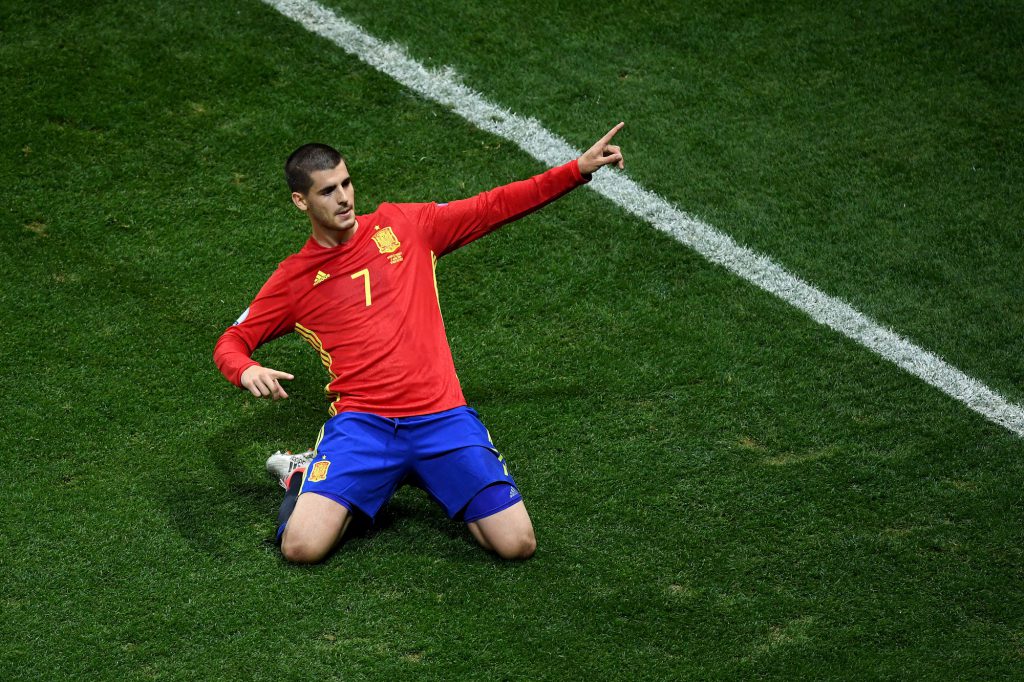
[{"x": 331, "y": 238}]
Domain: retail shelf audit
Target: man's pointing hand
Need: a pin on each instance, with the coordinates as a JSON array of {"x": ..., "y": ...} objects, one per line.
[
  {"x": 264, "y": 382},
  {"x": 602, "y": 153}
]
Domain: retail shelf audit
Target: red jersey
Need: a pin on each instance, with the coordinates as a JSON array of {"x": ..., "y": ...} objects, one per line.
[{"x": 369, "y": 307}]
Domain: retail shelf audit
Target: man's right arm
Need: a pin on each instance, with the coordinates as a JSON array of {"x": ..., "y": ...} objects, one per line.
[
  {"x": 455, "y": 224},
  {"x": 268, "y": 317}
]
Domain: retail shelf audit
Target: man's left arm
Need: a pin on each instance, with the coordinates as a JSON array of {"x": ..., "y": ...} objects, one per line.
[{"x": 460, "y": 222}]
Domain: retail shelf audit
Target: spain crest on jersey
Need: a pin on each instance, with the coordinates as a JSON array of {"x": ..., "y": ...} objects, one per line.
[{"x": 386, "y": 240}]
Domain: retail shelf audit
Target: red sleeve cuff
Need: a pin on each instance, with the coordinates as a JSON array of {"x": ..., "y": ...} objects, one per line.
[
  {"x": 237, "y": 380},
  {"x": 580, "y": 177}
]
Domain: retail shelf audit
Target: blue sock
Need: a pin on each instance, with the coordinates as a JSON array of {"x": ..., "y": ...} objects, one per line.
[{"x": 288, "y": 505}]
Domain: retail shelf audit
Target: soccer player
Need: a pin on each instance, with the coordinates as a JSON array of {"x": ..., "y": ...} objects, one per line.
[{"x": 363, "y": 293}]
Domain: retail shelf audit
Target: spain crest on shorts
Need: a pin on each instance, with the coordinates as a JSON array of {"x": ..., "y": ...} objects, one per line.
[
  {"x": 386, "y": 240},
  {"x": 319, "y": 471}
]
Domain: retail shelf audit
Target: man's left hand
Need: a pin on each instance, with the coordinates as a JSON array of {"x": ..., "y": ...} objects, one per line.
[{"x": 602, "y": 153}]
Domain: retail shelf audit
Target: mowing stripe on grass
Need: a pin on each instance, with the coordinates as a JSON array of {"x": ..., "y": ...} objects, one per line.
[{"x": 441, "y": 86}]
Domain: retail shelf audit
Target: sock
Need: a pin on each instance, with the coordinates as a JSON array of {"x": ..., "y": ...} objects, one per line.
[{"x": 291, "y": 495}]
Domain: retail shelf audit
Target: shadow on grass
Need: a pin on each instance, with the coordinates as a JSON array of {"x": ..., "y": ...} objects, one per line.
[
  {"x": 231, "y": 507},
  {"x": 218, "y": 509},
  {"x": 484, "y": 394}
]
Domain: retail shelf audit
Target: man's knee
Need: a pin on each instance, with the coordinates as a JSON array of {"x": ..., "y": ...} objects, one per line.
[
  {"x": 314, "y": 528},
  {"x": 299, "y": 550},
  {"x": 519, "y": 546},
  {"x": 509, "y": 533}
]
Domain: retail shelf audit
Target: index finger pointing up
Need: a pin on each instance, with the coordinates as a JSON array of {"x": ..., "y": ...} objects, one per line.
[{"x": 611, "y": 133}]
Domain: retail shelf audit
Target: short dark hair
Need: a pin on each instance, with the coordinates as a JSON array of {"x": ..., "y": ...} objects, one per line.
[{"x": 306, "y": 159}]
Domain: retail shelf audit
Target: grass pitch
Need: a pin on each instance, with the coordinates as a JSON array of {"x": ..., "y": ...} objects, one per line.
[{"x": 721, "y": 488}]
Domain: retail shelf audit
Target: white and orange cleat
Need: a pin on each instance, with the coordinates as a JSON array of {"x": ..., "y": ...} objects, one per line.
[{"x": 281, "y": 465}]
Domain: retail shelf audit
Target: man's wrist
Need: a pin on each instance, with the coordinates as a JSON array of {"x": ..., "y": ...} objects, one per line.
[
  {"x": 243, "y": 370},
  {"x": 578, "y": 172}
]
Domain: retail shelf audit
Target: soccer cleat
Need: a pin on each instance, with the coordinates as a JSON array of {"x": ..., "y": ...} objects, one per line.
[{"x": 281, "y": 465}]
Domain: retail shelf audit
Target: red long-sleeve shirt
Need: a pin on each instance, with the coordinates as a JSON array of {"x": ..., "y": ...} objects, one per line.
[{"x": 370, "y": 307}]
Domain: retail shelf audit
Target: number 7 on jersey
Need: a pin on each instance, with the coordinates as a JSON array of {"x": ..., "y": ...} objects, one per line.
[{"x": 365, "y": 272}]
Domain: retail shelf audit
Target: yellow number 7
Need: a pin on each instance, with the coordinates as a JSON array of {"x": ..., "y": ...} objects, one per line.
[{"x": 365, "y": 272}]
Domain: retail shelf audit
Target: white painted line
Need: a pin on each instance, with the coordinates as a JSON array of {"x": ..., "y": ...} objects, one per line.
[{"x": 441, "y": 85}]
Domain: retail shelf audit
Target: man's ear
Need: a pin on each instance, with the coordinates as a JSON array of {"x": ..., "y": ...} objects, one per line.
[{"x": 300, "y": 201}]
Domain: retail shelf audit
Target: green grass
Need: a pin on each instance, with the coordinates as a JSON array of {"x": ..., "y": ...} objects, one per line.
[{"x": 721, "y": 488}]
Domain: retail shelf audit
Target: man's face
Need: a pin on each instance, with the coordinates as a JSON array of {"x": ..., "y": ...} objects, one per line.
[{"x": 330, "y": 202}]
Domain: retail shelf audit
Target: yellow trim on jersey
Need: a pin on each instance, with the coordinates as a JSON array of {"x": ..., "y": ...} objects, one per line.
[
  {"x": 433, "y": 266},
  {"x": 310, "y": 337}
]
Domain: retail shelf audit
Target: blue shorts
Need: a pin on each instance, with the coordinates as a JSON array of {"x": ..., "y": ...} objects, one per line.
[{"x": 361, "y": 460}]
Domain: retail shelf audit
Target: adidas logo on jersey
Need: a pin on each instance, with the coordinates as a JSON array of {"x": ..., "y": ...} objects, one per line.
[{"x": 320, "y": 277}]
